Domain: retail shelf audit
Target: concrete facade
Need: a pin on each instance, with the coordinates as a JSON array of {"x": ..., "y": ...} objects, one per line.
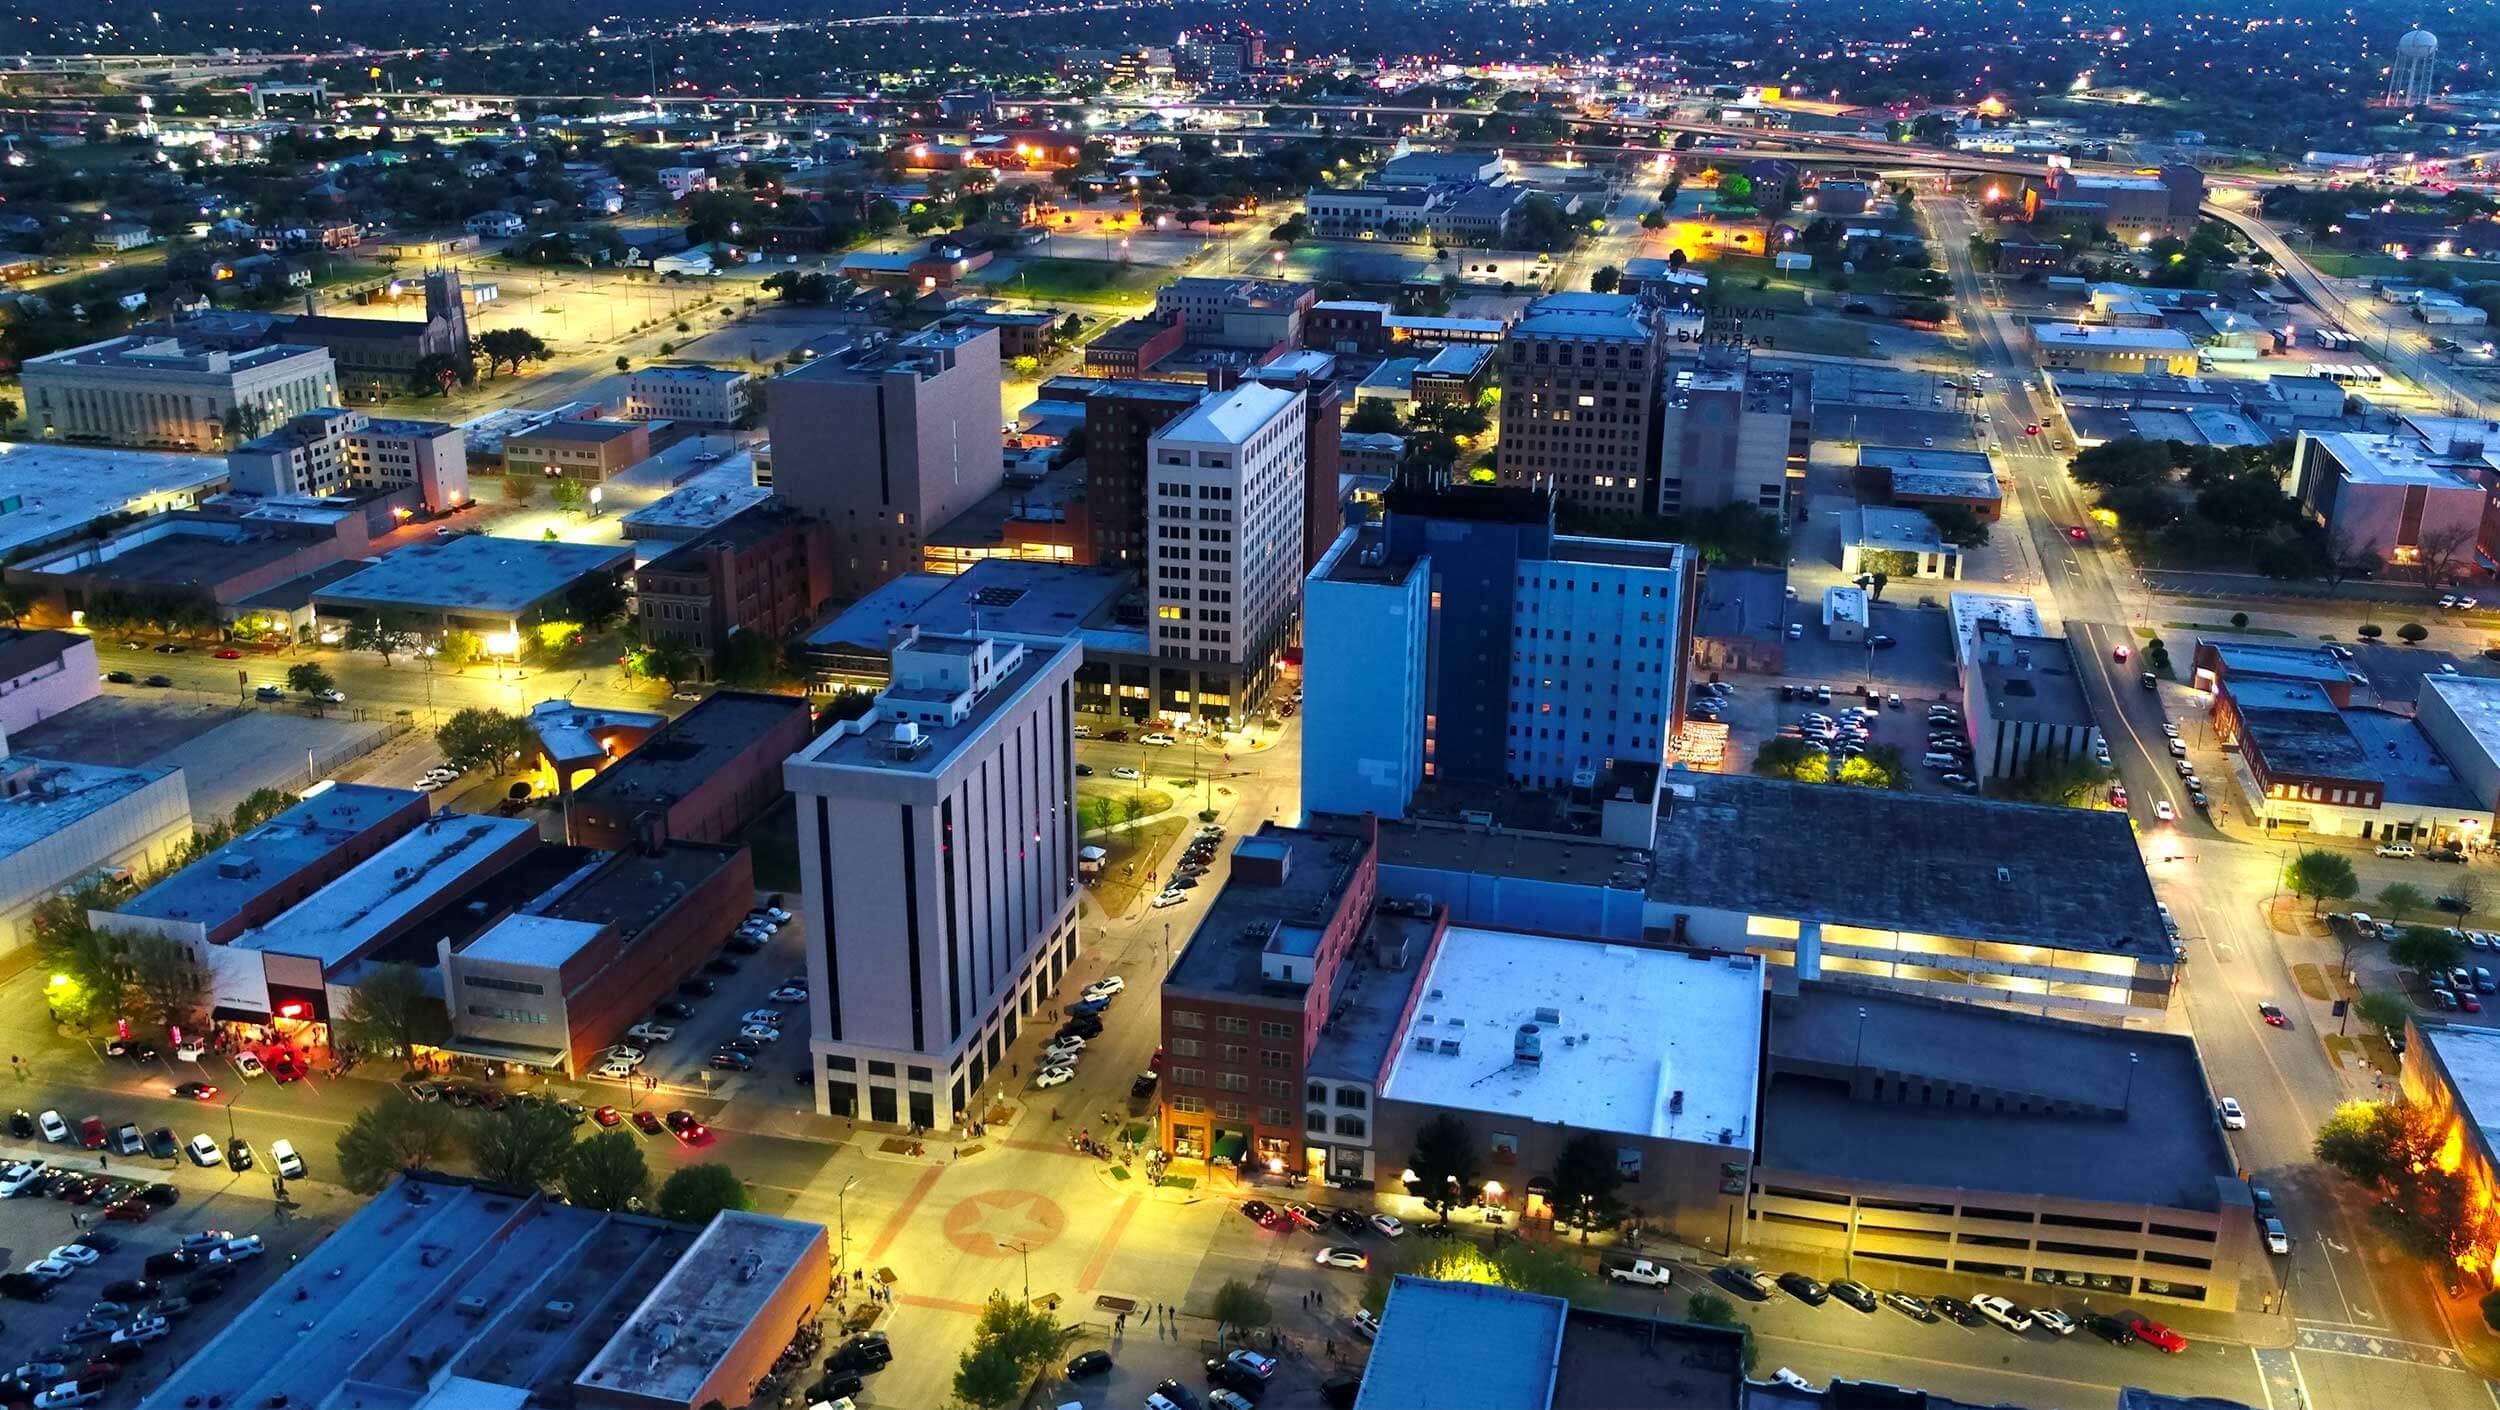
[
  {"x": 1579, "y": 401},
  {"x": 937, "y": 854},
  {"x": 158, "y": 391},
  {"x": 1225, "y": 507},
  {"x": 43, "y": 673}
]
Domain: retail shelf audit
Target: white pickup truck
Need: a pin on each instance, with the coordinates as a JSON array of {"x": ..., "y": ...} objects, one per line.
[{"x": 1640, "y": 1272}]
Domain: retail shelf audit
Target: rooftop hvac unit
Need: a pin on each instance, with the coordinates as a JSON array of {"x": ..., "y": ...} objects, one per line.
[
  {"x": 556, "y": 1313},
  {"x": 1449, "y": 1047},
  {"x": 1548, "y": 1015},
  {"x": 1423, "y": 1045},
  {"x": 1527, "y": 1046},
  {"x": 474, "y": 1305}
]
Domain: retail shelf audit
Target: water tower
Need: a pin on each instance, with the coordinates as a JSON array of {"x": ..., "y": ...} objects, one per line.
[{"x": 2409, "y": 79}]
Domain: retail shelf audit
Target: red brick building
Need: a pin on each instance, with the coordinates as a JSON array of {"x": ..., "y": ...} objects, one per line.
[
  {"x": 700, "y": 778},
  {"x": 1245, "y": 1001},
  {"x": 762, "y": 571}
]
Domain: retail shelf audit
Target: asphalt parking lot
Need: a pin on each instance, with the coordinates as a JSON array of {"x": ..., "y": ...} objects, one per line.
[
  {"x": 684, "y": 1060},
  {"x": 70, "y": 1327}
]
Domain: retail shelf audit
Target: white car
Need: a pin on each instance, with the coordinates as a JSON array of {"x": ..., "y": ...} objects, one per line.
[
  {"x": 79, "y": 1254},
  {"x": 626, "y": 1053},
  {"x": 614, "y": 1068},
  {"x": 650, "y": 1033},
  {"x": 1107, "y": 985},
  {"x": 1170, "y": 898},
  {"x": 22, "y": 1176},
  {"x": 1251, "y": 1361},
  {"x": 204, "y": 1151},
  {"x": 1792, "y": 1380},
  {"x": 53, "y": 1127},
  {"x": 190, "y": 1051},
  {"x": 69, "y": 1393},
  {"x": 2232, "y": 1117},
  {"x": 2163, "y": 811},
  {"x": 1053, "y": 1076},
  {"x": 2054, "y": 1320},
  {"x": 789, "y": 994},
  {"x": 1125, "y": 772},
  {"x": 1073, "y": 1043},
  {"x": 429, "y": 785},
  {"x": 248, "y": 1064},
  {"x": 2003, "y": 1312},
  {"x": 1389, "y": 1225},
  {"x": 760, "y": 1032},
  {"x": 282, "y": 1155},
  {"x": 51, "y": 1270},
  {"x": 770, "y": 1017},
  {"x": 760, "y": 920},
  {"x": 238, "y": 1250},
  {"x": 1342, "y": 1256},
  {"x": 779, "y": 916}
]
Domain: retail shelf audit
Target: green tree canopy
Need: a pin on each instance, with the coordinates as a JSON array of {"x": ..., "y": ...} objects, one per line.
[
  {"x": 393, "y": 1135},
  {"x": 1587, "y": 1172},
  {"x": 2320, "y": 876},
  {"x": 2426, "y": 950},
  {"x": 606, "y": 1171},
  {"x": 2399, "y": 899},
  {"x": 1239, "y": 1306},
  {"x": 696, "y": 1193},
  {"x": 391, "y": 1013},
  {"x": 527, "y": 1145},
  {"x": 1444, "y": 1162},
  {"x": 476, "y": 736}
]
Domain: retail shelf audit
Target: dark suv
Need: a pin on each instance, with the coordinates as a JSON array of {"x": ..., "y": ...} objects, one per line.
[{"x": 1804, "y": 1289}]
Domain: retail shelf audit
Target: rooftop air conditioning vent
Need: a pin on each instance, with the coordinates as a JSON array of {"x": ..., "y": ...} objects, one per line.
[
  {"x": 1449, "y": 1047},
  {"x": 1423, "y": 1044}
]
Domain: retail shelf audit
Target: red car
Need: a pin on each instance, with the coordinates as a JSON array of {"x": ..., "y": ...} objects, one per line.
[
  {"x": 2078, "y": 533},
  {"x": 648, "y": 1122},
  {"x": 2148, "y": 1330},
  {"x": 2468, "y": 1002},
  {"x": 2118, "y": 798},
  {"x": 2119, "y": 653},
  {"x": 2273, "y": 1016},
  {"x": 607, "y": 1116},
  {"x": 134, "y": 1210},
  {"x": 285, "y": 1067},
  {"x": 229, "y": 654},
  {"x": 2032, "y": 430},
  {"x": 689, "y": 1130}
]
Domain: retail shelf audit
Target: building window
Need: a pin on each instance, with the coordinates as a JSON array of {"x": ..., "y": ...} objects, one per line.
[
  {"x": 1351, "y": 1126},
  {"x": 1183, "y": 1018},
  {"x": 1351, "y": 1098},
  {"x": 1275, "y": 1030}
]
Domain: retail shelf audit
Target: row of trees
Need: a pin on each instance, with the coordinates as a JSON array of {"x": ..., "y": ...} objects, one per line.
[
  {"x": 2225, "y": 504},
  {"x": 1802, "y": 761},
  {"x": 99, "y": 975},
  {"x": 529, "y": 1144},
  {"x": 437, "y": 374}
]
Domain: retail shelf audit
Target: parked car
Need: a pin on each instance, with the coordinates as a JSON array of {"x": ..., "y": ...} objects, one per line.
[{"x": 1804, "y": 1289}]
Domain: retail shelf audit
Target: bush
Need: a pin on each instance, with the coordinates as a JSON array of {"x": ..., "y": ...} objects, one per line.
[
  {"x": 2370, "y": 631},
  {"x": 2412, "y": 633}
]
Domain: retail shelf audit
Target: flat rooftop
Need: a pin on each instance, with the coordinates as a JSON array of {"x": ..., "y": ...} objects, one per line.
[
  {"x": 689, "y": 373},
  {"x": 177, "y": 551},
  {"x": 543, "y": 942},
  {"x": 2475, "y": 700},
  {"x": 2246, "y": 658},
  {"x": 475, "y": 574},
  {"x": 2068, "y": 337},
  {"x": 1370, "y": 1003},
  {"x": 158, "y": 353},
  {"x": 219, "y": 885},
  {"x": 2066, "y": 878},
  {"x": 1611, "y": 1360},
  {"x": 62, "y": 489},
  {"x": 1640, "y": 1042},
  {"x": 2371, "y": 459},
  {"x": 1744, "y": 601},
  {"x": 1011, "y": 596},
  {"x": 2041, "y": 686},
  {"x": 630, "y": 890},
  {"x": 25, "y": 649},
  {"x": 713, "y": 496},
  {"x": 678, "y": 757},
  {"x": 676, "y": 1339},
  {"x": 1880, "y": 526},
  {"x": 55, "y": 795},
  {"x": 411, "y": 875},
  {"x": 923, "y": 354},
  {"x": 2470, "y": 1056},
  {"x": 569, "y": 731},
  {"x": 1447, "y": 1345},
  {"x": 2013, "y": 611},
  {"x": 866, "y": 743},
  {"x": 1231, "y": 418},
  {"x": 1226, "y": 953},
  {"x": 298, "y": 592},
  {"x": 1511, "y": 849},
  {"x": 2070, "y": 1101},
  {"x": 1914, "y": 459}
]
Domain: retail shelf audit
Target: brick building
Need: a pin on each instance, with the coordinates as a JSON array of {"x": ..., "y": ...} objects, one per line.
[
  {"x": 1245, "y": 1002},
  {"x": 764, "y": 571},
  {"x": 705, "y": 775}
]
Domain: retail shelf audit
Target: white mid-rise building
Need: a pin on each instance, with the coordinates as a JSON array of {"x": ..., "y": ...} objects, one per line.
[
  {"x": 1224, "y": 528},
  {"x": 701, "y": 395},
  {"x": 332, "y": 450},
  {"x": 157, "y": 391},
  {"x": 937, "y": 855}
]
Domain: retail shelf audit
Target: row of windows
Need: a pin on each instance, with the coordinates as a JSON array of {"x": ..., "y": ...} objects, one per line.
[{"x": 503, "y": 1015}]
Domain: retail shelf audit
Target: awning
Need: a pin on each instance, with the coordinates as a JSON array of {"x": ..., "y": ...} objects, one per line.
[
  {"x": 1232, "y": 1146},
  {"x": 492, "y": 1051}
]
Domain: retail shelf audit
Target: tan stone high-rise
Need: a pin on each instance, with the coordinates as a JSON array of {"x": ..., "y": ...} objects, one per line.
[{"x": 1579, "y": 400}]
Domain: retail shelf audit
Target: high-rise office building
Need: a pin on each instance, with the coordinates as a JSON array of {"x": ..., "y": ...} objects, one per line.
[
  {"x": 1314, "y": 375},
  {"x": 1579, "y": 399},
  {"x": 1224, "y": 503},
  {"x": 938, "y": 862},
  {"x": 1121, "y": 416},
  {"x": 886, "y": 441},
  {"x": 1732, "y": 432}
]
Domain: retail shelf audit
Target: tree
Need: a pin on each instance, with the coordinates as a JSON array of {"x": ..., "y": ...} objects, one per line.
[
  {"x": 527, "y": 1145},
  {"x": 606, "y": 1172},
  {"x": 1586, "y": 1174},
  {"x": 1605, "y": 280},
  {"x": 1712, "y": 1310},
  {"x": 2321, "y": 876},
  {"x": 1959, "y": 526},
  {"x": 989, "y": 1378},
  {"x": 395, "y": 1135},
  {"x": 1237, "y": 1304},
  {"x": 1025, "y": 366},
  {"x": 521, "y": 489},
  {"x": 2369, "y": 631},
  {"x": 2239, "y": 621},
  {"x": 2441, "y": 547},
  {"x": 386, "y": 636},
  {"x": 623, "y": 363},
  {"x": 1787, "y": 758},
  {"x": 308, "y": 677},
  {"x": 665, "y": 661},
  {"x": 1373, "y": 415},
  {"x": 2401, "y": 899},
  {"x": 260, "y": 805},
  {"x": 16, "y": 600},
  {"x": 1028, "y": 1336},
  {"x": 476, "y": 736},
  {"x": 693, "y": 1195},
  {"x": 2382, "y": 1010},
  {"x": 2426, "y": 950},
  {"x": 392, "y": 1013},
  {"x": 2412, "y": 633},
  {"x": 167, "y": 986},
  {"x": 746, "y": 659},
  {"x": 90, "y": 971},
  {"x": 569, "y": 494},
  {"x": 512, "y": 346},
  {"x": 437, "y": 373},
  {"x": 1444, "y": 1165}
]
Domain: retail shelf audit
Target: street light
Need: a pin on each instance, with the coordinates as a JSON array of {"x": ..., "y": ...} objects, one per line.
[
  {"x": 842, "y": 1209},
  {"x": 1021, "y": 1247}
]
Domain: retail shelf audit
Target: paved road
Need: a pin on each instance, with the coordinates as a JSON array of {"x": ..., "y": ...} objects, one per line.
[{"x": 2341, "y": 1273}]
